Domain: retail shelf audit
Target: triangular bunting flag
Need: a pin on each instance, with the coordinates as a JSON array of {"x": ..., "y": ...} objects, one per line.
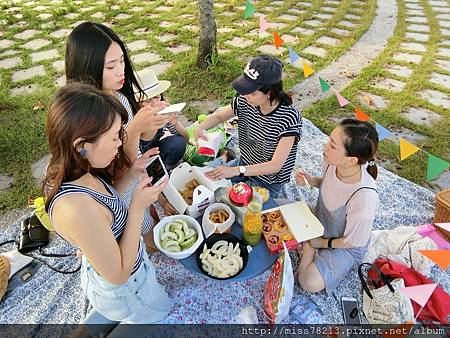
[
  {"x": 277, "y": 40},
  {"x": 435, "y": 166},
  {"x": 249, "y": 9},
  {"x": 324, "y": 85},
  {"x": 263, "y": 25},
  {"x": 445, "y": 226},
  {"x": 440, "y": 257},
  {"x": 360, "y": 115},
  {"x": 419, "y": 293},
  {"x": 307, "y": 70},
  {"x": 382, "y": 132},
  {"x": 342, "y": 100},
  {"x": 293, "y": 56},
  {"x": 407, "y": 149}
]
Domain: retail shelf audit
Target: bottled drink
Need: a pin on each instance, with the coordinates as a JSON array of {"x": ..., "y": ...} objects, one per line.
[{"x": 253, "y": 223}]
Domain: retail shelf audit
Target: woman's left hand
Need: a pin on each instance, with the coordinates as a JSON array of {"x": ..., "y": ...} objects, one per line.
[
  {"x": 221, "y": 172},
  {"x": 141, "y": 162},
  {"x": 319, "y": 242}
]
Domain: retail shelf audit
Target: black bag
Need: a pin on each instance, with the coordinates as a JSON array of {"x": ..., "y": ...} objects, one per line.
[{"x": 33, "y": 235}]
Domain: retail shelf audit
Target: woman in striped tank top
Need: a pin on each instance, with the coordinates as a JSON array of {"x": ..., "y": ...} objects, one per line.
[{"x": 85, "y": 135}]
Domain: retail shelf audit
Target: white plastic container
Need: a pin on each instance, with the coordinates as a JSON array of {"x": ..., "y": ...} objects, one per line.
[
  {"x": 191, "y": 222},
  {"x": 209, "y": 227}
]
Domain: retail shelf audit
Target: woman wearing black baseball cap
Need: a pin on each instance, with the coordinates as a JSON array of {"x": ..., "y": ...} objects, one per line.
[{"x": 269, "y": 128}]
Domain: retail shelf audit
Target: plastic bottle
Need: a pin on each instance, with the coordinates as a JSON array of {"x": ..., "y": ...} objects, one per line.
[{"x": 253, "y": 223}]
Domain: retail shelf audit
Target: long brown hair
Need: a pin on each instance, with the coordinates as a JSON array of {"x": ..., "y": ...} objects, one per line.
[
  {"x": 80, "y": 111},
  {"x": 361, "y": 142}
]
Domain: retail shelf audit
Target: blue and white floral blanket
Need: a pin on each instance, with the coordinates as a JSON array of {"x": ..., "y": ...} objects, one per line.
[{"x": 55, "y": 298}]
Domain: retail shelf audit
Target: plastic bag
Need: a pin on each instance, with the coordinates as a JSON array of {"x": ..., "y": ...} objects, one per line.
[{"x": 279, "y": 289}]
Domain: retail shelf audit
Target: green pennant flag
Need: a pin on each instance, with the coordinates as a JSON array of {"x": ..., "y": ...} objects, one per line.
[
  {"x": 249, "y": 9},
  {"x": 325, "y": 86},
  {"x": 435, "y": 167}
]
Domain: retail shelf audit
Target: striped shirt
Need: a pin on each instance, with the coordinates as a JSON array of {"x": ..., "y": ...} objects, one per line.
[
  {"x": 111, "y": 201},
  {"x": 260, "y": 134}
]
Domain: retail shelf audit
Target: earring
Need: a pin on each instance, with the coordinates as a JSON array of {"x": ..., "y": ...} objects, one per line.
[{"x": 83, "y": 152}]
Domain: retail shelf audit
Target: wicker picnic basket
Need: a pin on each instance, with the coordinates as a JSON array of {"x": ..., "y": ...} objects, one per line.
[
  {"x": 442, "y": 214},
  {"x": 5, "y": 269}
]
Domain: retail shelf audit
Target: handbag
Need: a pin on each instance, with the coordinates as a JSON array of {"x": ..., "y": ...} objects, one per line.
[
  {"x": 33, "y": 235},
  {"x": 385, "y": 305}
]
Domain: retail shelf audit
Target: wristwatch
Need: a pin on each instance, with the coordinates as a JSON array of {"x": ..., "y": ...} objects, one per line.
[
  {"x": 242, "y": 170},
  {"x": 329, "y": 243}
]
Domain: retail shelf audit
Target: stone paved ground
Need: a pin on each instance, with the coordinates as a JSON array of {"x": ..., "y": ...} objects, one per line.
[{"x": 33, "y": 35}]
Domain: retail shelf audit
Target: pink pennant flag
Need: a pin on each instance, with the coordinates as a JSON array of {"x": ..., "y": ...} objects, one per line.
[
  {"x": 419, "y": 293},
  {"x": 342, "y": 100},
  {"x": 445, "y": 226},
  {"x": 263, "y": 25}
]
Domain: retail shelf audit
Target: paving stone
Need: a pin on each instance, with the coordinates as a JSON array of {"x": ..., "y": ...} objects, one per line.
[
  {"x": 415, "y": 12},
  {"x": 441, "y": 9},
  {"x": 288, "y": 17},
  {"x": 413, "y": 6},
  {"x": 152, "y": 15},
  {"x": 123, "y": 16},
  {"x": 9, "y": 52},
  {"x": 238, "y": 42},
  {"x": 76, "y": 23},
  {"x": 13, "y": 9},
  {"x": 44, "y": 55},
  {"x": 352, "y": 17},
  {"x": 25, "y": 35},
  {"x": 414, "y": 47},
  {"x": 228, "y": 14},
  {"x": 219, "y": 5},
  {"x": 23, "y": 90},
  {"x": 277, "y": 25},
  {"x": 277, "y": 3},
  {"x": 405, "y": 57},
  {"x": 18, "y": 16},
  {"x": 268, "y": 9},
  {"x": 443, "y": 16},
  {"x": 60, "y": 33},
  {"x": 179, "y": 49},
  {"x": 163, "y": 9},
  {"x": 36, "y": 44},
  {"x": 88, "y": 9},
  {"x": 421, "y": 116},
  {"x": 98, "y": 15},
  {"x": 418, "y": 28},
  {"x": 340, "y": 32},
  {"x": 6, "y": 43},
  {"x": 389, "y": 84},
  {"x": 399, "y": 70},
  {"x": 407, "y": 134},
  {"x": 191, "y": 28},
  {"x": 60, "y": 81},
  {"x": 71, "y": 16},
  {"x": 255, "y": 32},
  {"x": 348, "y": 24},
  {"x": 165, "y": 24},
  {"x": 29, "y": 73},
  {"x": 19, "y": 24},
  {"x": 44, "y": 16},
  {"x": 38, "y": 168},
  {"x": 372, "y": 100},
  {"x": 443, "y": 64},
  {"x": 327, "y": 40},
  {"x": 303, "y": 31},
  {"x": 296, "y": 11},
  {"x": 160, "y": 68},
  {"x": 304, "y": 4},
  {"x": 313, "y": 23},
  {"x": 222, "y": 51},
  {"x": 317, "y": 51},
  {"x": 445, "y": 31},
  {"x": 417, "y": 36},
  {"x": 50, "y": 24},
  {"x": 445, "y": 24},
  {"x": 442, "y": 181},
  {"x": 166, "y": 37},
  {"x": 436, "y": 97},
  {"x": 444, "y": 52},
  {"x": 5, "y": 182},
  {"x": 224, "y": 30},
  {"x": 10, "y": 63},
  {"x": 438, "y": 3},
  {"x": 40, "y": 8},
  {"x": 142, "y": 31},
  {"x": 271, "y": 49},
  {"x": 329, "y": 9},
  {"x": 30, "y": 3},
  {"x": 416, "y": 19},
  {"x": 145, "y": 57},
  {"x": 440, "y": 79},
  {"x": 445, "y": 43},
  {"x": 187, "y": 16},
  {"x": 323, "y": 16},
  {"x": 137, "y": 45},
  {"x": 290, "y": 39},
  {"x": 136, "y": 9},
  {"x": 58, "y": 65}
]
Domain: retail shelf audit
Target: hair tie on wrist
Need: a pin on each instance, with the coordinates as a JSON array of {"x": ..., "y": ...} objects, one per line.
[{"x": 371, "y": 163}]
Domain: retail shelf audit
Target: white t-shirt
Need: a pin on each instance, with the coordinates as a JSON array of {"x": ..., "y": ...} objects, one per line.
[{"x": 361, "y": 208}]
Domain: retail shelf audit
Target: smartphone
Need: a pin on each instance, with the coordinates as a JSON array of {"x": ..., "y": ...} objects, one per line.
[
  {"x": 351, "y": 311},
  {"x": 173, "y": 108},
  {"x": 157, "y": 170}
]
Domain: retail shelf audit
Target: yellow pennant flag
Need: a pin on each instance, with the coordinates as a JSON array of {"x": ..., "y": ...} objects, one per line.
[
  {"x": 307, "y": 70},
  {"x": 407, "y": 149}
]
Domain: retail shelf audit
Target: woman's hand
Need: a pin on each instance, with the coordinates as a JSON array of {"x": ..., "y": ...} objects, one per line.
[
  {"x": 199, "y": 133},
  {"x": 303, "y": 178},
  {"x": 145, "y": 194},
  {"x": 138, "y": 166},
  {"x": 147, "y": 118},
  {"x": 222, "y": 172}
]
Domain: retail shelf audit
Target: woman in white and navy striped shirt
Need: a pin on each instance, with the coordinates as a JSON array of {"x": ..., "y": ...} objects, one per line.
[{"x": 269, "y": 128}]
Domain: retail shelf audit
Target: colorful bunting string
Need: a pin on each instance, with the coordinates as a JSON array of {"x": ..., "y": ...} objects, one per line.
[
  {"x": 307, "y": 70},
  {"x": 382, "y": 132},
  {"x": 440, "y": 257},
  {"x": 324, "y": 85},
  {"x": 293, "y": 56},
  {"x": 342, "y": 100},
  {"x": 249, "y": 9},
  {"x": 435, "y": 166},
  {"x": 278, "y": 41},
  {"x": 360, "y": 115},
  {"x": 263, "y": 25},
  {"x": 407, "y": 149}
]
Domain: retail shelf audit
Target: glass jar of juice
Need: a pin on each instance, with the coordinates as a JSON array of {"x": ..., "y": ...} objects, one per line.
[{"x": 253, "y": 223}]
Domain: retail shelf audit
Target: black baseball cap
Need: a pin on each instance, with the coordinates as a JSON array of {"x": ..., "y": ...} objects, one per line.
[{"x": 261, "y": 71}]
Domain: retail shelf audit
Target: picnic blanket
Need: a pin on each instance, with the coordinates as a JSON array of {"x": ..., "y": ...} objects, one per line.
[{"x": 55, "y": 298}]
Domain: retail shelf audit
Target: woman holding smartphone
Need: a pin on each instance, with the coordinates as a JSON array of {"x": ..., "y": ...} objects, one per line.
[{"x": 85, "y": 135}]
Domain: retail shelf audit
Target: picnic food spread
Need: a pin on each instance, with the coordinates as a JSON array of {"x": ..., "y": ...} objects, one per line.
[
  {"x": 276, "y": 231},
  {"x": 240, "y": 194},
  {"x": 222, "y": 260},
  {"x": 189, "y": 191},
  {"x": 176, "y": 236}
]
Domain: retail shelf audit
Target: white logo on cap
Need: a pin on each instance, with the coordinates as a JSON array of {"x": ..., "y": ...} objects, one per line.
[{"x": 250, "y": 72}]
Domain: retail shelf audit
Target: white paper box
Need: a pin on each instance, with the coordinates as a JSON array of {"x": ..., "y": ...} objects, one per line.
[{"x": 203, "y": 195}]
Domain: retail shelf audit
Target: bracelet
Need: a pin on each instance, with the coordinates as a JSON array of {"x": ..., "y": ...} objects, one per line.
[{"x": 329, "y": 243}]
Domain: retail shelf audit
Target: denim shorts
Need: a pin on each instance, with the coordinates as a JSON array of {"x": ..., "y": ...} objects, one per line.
[{"x": 141, "y": 300}]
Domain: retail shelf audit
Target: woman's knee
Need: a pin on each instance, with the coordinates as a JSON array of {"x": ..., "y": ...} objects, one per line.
[{"x": 310, "y": 285}]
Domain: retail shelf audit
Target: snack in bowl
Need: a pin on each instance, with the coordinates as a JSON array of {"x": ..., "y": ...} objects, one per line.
[
  {"x": 222, "y": 256},
  {"x": 189, "y": 191},
  {"x": 176, "y": 236},
  {"x": 263, "y": 192},
  {"x": 218, "y": 216}
]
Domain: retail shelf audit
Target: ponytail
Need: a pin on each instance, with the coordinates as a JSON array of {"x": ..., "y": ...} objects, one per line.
[
  {"x": 277, "y": 93},
  {"x": 372, "y": 169}
]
